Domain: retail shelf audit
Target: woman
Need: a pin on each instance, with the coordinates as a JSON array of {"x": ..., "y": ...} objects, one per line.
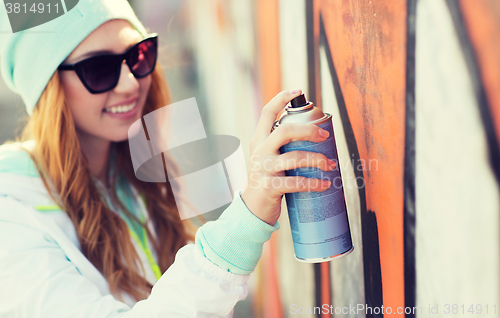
[{"x": 80, "y": 236}]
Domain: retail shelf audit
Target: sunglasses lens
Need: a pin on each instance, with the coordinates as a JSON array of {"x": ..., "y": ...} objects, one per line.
[
  {"x": 100, "y": 73},
  {"x": 142, "y": 58}
]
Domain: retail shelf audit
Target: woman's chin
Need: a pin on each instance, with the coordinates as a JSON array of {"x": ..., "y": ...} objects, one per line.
[{"x": 119, "y": 139}]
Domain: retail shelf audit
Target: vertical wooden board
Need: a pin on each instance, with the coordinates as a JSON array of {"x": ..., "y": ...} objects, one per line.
[
  {"x": 482, "y": 19},
  {"x": 457, "y": 247},
  {"x": 223, "y": 36},
  {"x": 268, "y": 56},
  {"x": 296, "y": 278},
  {"x": 270, "y": 291},
  {"x": 368, "y": 46},
  {"x": 347, "y": 273},
  {"x": 325, "y": 299},
  {"x": 293, "y": 45},
  {"x": 224, "y": 42},
  {"x": 268, "y": 47}
]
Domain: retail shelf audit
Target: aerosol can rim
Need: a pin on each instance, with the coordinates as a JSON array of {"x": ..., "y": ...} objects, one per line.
[{"x": 326, "y": 259}]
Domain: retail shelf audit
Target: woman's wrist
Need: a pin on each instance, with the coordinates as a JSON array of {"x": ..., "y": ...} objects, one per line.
[{"x": 265, "y": 211}]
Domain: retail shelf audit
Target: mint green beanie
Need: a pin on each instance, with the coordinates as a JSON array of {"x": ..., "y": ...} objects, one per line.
[{"x": 29, "y": 58}]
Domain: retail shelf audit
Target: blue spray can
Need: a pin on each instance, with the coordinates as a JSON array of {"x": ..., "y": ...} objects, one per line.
[{"x": 319, "y": 223}]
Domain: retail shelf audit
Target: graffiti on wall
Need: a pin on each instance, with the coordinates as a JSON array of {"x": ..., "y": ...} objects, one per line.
[{"x": 413, "y": 90}]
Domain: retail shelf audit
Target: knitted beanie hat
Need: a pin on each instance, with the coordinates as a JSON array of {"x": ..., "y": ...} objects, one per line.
[{"x": 29, "y": 58}]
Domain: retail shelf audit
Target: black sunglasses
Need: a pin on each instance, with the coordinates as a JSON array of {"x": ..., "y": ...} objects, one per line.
[{"x": 101, "y": 73}]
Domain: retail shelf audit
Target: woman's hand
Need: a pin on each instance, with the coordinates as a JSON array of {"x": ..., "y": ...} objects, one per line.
[{"x": 266, "y": 178}]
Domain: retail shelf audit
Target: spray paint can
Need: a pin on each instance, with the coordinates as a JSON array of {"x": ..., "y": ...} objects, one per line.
[{"x": 319, "y": 223}]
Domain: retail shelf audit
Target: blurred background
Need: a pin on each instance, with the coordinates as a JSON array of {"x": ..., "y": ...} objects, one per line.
[{"x": 413, "y": 87}]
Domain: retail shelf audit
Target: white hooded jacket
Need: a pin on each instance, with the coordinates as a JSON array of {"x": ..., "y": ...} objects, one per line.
[{"x": 43, "y": 273}]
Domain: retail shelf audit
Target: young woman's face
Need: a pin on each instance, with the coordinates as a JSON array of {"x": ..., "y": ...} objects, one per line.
[{"x": 106, "y": 116}]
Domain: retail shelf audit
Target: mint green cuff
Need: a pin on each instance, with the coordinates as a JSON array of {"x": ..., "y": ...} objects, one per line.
[{"x": 234, "y": 241}]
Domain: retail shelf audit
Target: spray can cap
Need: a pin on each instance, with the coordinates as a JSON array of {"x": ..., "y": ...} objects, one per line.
[{"x": 298, "y": 101}]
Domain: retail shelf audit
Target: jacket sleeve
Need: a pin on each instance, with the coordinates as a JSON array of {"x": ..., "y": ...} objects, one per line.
[
  {"x": 38, "y": 280},
  {"x": 234, "y": 241}
]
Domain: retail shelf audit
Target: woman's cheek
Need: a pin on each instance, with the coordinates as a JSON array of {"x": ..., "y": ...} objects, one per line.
[{"x": 145, "y": 84}]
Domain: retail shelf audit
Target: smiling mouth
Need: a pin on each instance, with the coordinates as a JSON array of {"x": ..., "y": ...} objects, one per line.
[{"x": 120, "y": 109}]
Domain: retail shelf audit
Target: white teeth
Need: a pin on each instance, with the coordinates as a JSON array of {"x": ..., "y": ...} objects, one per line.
[{"x": 120, "y": 109}]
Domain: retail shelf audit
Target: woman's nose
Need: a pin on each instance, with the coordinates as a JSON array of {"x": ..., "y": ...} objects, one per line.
[{"x": 127, "y": 83}]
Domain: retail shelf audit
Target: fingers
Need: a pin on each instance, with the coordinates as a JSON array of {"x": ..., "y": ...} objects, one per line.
[
  {"x": 269, "y": 113},
  {"x": 273, "y": 164},
  {"x": 291, "y": 132},
  {"x": 301, "y": 159},
  {"x": 284, "y": 185}
]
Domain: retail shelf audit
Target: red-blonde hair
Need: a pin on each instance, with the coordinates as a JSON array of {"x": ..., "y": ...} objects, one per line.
[{"x": 104, "y": 237}]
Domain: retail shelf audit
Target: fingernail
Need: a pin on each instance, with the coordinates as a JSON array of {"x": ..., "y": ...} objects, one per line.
[
  {"x": 295, "y": 91},
  {"x": 331, "y": 163},
  {"x": 327, "y": 183},
  {"x": 323, "y": 133}
]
